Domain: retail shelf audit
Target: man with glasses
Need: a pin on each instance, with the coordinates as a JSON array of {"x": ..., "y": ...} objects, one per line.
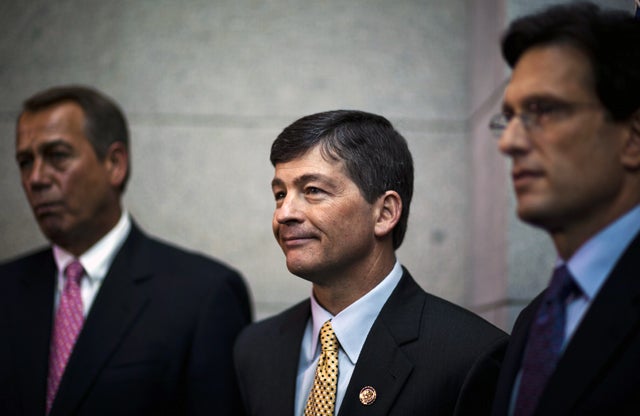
[{"x": 570, "y": 124}]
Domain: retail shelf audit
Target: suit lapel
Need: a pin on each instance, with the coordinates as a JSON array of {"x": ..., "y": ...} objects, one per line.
[
  {"x": 285, "y": 372},
  {"x": 33, "y": 315},
  {"x": 382, "y": 364},
  {"x": 513, "y": 357},
  {"x": 121, "y": 299},
  {"x": 612, "y": 317}
]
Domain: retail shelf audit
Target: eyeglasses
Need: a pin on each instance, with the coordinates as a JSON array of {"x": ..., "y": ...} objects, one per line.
[{"x": 537, "y": 114}]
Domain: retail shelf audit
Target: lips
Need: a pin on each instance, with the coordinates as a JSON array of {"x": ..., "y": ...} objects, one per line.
[
  {"x": 46, "y": 208},
  {"x": 293, "y": 239},
  {"x": 524, "y": 177}
]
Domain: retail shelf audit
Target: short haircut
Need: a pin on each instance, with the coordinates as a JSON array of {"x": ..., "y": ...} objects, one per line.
[
  {"x": 609, "y": 38},
  {"x": 105, "y": 121},
  {"x": 375, "y": 155}
]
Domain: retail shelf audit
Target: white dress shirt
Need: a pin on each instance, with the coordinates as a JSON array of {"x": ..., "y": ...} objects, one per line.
[
  {"x": 96, "y": 262},
  {"x": 351, "y": 326}
]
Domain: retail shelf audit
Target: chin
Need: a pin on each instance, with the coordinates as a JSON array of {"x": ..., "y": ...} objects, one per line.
[
  {"x": 535, "y": 216},
  {"x": 302, "y": 270},
  {"x": 297, "y": 269}
]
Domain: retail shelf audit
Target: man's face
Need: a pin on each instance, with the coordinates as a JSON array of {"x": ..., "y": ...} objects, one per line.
[
  {"x": 566, "y": 169},
  {"x": 68, "y": 188},
  {"x": 322, "y": 222}
]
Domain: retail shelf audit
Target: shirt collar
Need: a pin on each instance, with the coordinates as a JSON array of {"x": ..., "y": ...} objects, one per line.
[
  {"x": 97, "y": 260},
  {"x": 595, "y": 260},
  {"x": 352, "y": 325}
]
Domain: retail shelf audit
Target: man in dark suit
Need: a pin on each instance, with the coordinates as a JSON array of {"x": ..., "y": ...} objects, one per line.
[
  {"x": 571, "y": 126},
  {"x": 109, "y": 321},
  {"x": 343, "y": 184}
]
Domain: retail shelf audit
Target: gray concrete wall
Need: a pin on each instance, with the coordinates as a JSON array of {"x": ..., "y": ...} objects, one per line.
[{"x": 207, "y": 85}]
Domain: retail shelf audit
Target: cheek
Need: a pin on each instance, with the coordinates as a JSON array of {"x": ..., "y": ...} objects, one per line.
[{"x": 274, "y": 226}]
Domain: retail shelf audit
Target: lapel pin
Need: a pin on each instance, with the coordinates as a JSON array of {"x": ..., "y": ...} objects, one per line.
[{"x": 367, "y": 395}]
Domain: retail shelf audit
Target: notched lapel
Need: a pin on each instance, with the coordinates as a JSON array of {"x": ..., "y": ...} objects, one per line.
[
  {"x": 285, "y": 372},
  {"x": 382, "y": 364},
  {"x": 121, "y": 299},
  {"x": 613, "y": 317}
]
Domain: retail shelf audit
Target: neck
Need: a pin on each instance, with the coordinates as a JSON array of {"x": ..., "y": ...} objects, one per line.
[
  {"x": 569, "y": 238},
  {"x": 80, "y": 242},
  {"x": 337, "y": 294}
]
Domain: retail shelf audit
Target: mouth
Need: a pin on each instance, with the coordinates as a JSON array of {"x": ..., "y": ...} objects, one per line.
[
  {"x": 46, "y": 208},
  {"x": 295, "y": 240},
  {"x": 524, "y": 177}
]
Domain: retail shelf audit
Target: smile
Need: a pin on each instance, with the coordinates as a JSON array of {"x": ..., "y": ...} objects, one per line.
[{"x": 292, "y": 241}]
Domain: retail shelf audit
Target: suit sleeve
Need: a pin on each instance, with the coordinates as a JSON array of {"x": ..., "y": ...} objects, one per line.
[
  {"x": 477, "y": 392},
  {"x": 212, "y": 387}
]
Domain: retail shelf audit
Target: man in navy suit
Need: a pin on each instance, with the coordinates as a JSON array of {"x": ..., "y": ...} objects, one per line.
[
  {"x": 157, "y": 323},
  {"x": 342, "y": 186},
  {"x": 570, "y": 124}
]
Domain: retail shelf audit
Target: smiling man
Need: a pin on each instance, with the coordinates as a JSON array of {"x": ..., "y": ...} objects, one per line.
[
  {"x": 369, "y": 340},
  {"x": 570, "y": 125},
  {"x": 107, "y": 321}
]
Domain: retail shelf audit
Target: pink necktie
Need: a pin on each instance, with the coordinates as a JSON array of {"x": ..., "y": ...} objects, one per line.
[{"x": 69, "y": 319}]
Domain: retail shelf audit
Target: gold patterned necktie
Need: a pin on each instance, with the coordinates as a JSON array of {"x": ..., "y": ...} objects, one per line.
[{"x": 322, "y": 399}]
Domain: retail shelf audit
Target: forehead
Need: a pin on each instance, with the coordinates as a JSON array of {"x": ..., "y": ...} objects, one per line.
[
  {"x": 65, "y": 120},
  {"x": 562, "y": 71}
]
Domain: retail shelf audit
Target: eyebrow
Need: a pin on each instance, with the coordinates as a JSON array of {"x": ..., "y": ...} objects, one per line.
[
  {"x": 532, "y": 98},
  {"x": 306, "y": 178},
  {"x": 44, "y": 147}
]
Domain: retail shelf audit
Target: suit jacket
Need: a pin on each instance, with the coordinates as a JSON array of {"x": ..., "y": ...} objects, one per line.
[
  {"x": 157, "y": 340},
  {"x": 423, "y": 355},
  {"x": 599, "y": 371}
]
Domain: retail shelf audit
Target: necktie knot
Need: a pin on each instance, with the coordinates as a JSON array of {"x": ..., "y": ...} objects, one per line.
[
  {"x": 562, "y": 285},
  {"x": 74, "y": 272},
  {"x": 328, "y": 339}
]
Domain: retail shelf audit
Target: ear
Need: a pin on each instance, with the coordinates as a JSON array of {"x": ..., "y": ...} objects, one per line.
[
  {"x": 388, "y": 213},
  {"x": 117, "y": 163},
  {"x": 631, "y": 151}
]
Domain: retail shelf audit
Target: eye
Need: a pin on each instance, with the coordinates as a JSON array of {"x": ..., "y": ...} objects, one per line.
[
  {"x": 24, "y": 163},
  {"x": 279, "y": 195},
  {"x": 545, "y": 108},
  {"x": 312, "y": 190},
  {"x": 508, "y": 114},
  {"x": 58, "y": 156}
]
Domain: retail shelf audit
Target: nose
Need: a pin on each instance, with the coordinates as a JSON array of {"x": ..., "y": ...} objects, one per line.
[
  {"x": 288, "y": 209},
  {"x": 37, "y": 176},
  {"x": 514, "y": 138}
]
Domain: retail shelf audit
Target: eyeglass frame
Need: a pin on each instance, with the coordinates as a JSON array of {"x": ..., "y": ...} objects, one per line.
[{"x": 533, "y": 118}]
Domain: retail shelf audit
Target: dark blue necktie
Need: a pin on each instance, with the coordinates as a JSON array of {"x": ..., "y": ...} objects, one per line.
[{"x": 545, "y": 342}]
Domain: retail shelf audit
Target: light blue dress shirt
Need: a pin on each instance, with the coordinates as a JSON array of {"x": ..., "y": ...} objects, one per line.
[
  {"x": 594, "y": 261},
  {"x": 351, "y": 326}
]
